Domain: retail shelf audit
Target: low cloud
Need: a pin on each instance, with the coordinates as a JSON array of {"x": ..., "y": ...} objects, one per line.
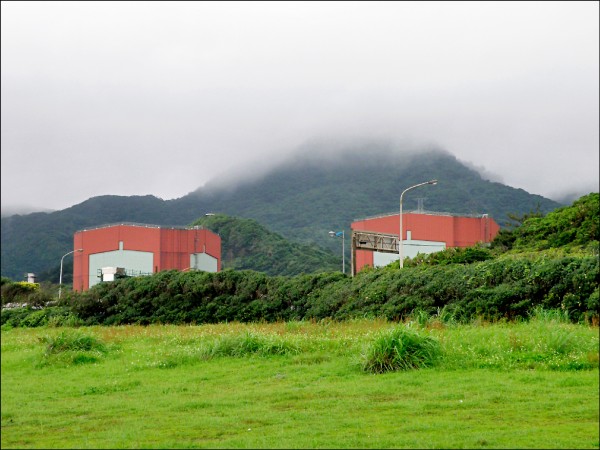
[{"x": 133, "y": 98}]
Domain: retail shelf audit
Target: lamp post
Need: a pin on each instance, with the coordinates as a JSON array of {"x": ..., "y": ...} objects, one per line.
[
  {"x": 342, "y": 235},
  {"x": 401, "y": 237},
  {"x": 61, "y": 266}
]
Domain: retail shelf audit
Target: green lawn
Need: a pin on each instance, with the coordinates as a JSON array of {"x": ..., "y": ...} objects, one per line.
[{"x": 524, "y": 385}]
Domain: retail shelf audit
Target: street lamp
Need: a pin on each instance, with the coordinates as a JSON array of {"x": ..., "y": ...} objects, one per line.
[
  {"x": 341, "y": 234},
  {"x": 401, "y": 237},
  {"x": 61, "y": 266}
]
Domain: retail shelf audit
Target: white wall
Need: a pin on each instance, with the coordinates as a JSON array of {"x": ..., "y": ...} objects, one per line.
[
  {"x": 203, "y": 261},
  {"x": 128, "y": 259}
]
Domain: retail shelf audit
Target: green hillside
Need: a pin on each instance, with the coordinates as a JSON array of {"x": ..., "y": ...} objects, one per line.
[
  {"x": 302, "y": 200},
  {"x": 247, "y": 245},
  {"x": 578, "y": 224}
]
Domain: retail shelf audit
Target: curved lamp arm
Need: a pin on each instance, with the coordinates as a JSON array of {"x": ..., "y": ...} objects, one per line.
[{"x": 400, "y": 236}]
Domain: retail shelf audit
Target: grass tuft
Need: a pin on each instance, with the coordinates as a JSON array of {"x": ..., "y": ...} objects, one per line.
[
  {"x": 71, "y": 341},
  {"x": 400, "y": 349},
  {"x": 246, "y": 344},
  {"x": 72, "y": 347}
]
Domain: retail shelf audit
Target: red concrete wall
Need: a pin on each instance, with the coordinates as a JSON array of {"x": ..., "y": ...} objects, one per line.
[
  {"x": 177, "y": 245},
  {"x": 171, "y": 247},
  {"x": 455, "y": 231},
  {"x": 363, "y": 258}
]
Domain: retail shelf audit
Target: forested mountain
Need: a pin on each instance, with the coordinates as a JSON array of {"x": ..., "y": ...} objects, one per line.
[
  {"x": 245, "y": 244},
  {"x": 301, "y": 199}
]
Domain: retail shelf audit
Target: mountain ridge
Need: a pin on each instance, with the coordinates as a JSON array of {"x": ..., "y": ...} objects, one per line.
[{"x": 301, "y": 198}]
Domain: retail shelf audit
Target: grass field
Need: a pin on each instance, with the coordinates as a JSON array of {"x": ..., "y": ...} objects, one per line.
[{"x": 299, "y": 385}]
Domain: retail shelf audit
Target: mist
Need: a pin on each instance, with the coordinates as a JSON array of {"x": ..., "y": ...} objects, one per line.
[{"x": 163, "y": 98}]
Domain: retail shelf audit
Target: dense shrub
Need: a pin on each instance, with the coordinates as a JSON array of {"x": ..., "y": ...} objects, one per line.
[
  {"x": 15, "y": 317},
  {"x": 492, "y": 289},
  {"x": 577, "y": 224},
  {"x": 29, "y": 317},
  {"x": 18, "y": 291},
  {"x": 25, "y": 293},
  {"x": 452, "y": 255}
]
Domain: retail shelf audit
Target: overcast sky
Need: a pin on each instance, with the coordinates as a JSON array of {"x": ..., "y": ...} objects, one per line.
[{"x": 136, "y": 98}]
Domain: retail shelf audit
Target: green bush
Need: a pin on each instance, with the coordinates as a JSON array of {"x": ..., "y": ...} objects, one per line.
[
  {"x": 452, "y": 255},
  {"x": 29, "y": 317},
  {"x": 577, "y": 224},
  {"x": 17, "y": 292},
  {"x": 504, "y": 287},
  {"x": 12, "y": 318}
]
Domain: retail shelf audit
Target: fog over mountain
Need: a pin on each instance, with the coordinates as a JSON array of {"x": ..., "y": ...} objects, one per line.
[
  {"x": 325, "y": 185},
  {"x": 324, "y": 151},
  {"x": 21, "y": 210},
  {"x": 136, "y": 98}
]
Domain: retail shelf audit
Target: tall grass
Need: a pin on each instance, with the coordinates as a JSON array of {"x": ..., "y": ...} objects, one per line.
[
  {"x": 71, "y": 347},
  {"x": 539, "y": 313},
  {"x": 246, "y": 344},
  {"x": 540, "y": 343},
  {"x": 442, "y": 317},
  {"x": 400, "y": 349},
  {"x": 71, "y": 340}
]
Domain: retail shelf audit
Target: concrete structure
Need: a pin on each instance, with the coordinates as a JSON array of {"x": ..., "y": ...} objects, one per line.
[
  {"x": 128, "y": 249},
  {"x": 375, "y": 239}
]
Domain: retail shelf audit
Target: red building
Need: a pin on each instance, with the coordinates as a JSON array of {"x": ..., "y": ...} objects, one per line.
[
  {"x": 136, "y": 249},
  {"x": 425, "y": 232}
]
